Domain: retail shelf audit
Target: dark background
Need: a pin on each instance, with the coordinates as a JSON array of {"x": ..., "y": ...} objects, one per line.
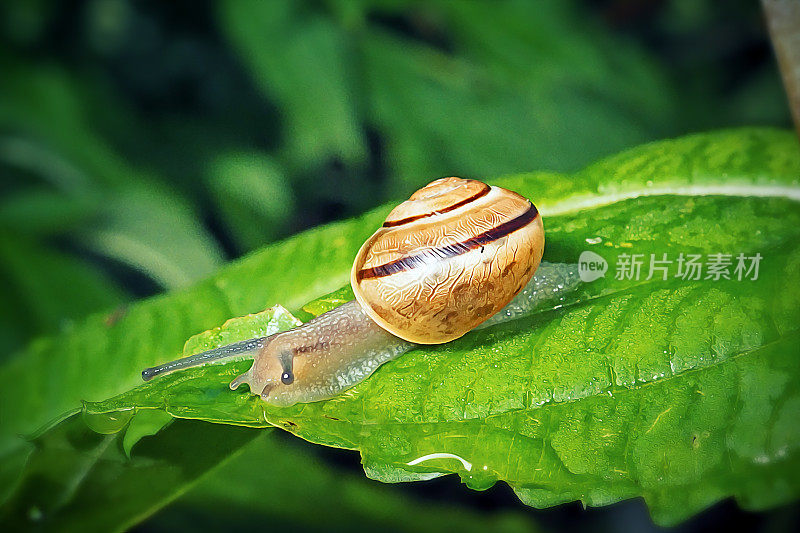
[{"x": 143, "y": 144}]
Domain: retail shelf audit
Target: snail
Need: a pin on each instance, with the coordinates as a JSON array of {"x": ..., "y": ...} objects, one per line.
[{"x": 458, "y": 254}]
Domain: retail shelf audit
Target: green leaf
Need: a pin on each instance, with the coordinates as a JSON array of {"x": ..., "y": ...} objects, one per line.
[
  {"x": 37, "y": 301},
  {"x": 630, "y": 390},
  {"x": 144, "y": 424},
  {"x": 291, "y": 478},
  {"x": 506, "y": 411},
  {"x": 76, "y": 479},
  {"x": 105, "y": 354},
  {"x": 11, "y": 470},
  {"x": 261, "y": 324},
  {"x": 539, "y": 87},
  {"x": 154, "y": 231},
  {"x": 301, "y": 62},
  {"x": 41, "y": 212},
  {"x": 252, "y": 195},
  {"x": 633, "y": 391},
  {"x": 329, "y": 301},
  {"x": 502, "y": 90},
  {"x": 47, "y": 111}
]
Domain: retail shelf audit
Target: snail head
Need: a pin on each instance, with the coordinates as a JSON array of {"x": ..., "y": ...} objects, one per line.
[{"x": 274, "y": 369}]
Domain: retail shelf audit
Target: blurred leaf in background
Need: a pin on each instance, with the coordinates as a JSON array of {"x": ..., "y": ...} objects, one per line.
[
  {"x": 65, "y": 187},
  {"x": 341, "y": 499},
  {"x": 251, "y": 194},
  {"x": 143, "y": 144},
  {"x": 444, "y": 91},
  {"x": 81, "y": 480}
]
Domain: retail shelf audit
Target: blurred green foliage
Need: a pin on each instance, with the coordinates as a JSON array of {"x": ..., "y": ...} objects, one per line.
[{"x": 142, "y": 144}]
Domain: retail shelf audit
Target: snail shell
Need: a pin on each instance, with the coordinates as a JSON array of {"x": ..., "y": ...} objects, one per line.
[{"x": 447, "y": 259}]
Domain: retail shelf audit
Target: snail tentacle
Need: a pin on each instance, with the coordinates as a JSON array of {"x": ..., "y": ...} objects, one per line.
[{"x": 241, "y": 349}]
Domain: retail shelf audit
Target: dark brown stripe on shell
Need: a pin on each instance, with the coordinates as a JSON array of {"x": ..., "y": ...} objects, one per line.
[
  {"x": 451, "y": 250},
  {"x": 479, "y": 194}
]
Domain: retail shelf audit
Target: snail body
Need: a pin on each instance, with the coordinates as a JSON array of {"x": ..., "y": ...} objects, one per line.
[{"x": 444, "y": 262}]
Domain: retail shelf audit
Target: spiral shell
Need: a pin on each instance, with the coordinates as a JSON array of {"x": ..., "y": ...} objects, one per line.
[{"x": 447, "y": 259}]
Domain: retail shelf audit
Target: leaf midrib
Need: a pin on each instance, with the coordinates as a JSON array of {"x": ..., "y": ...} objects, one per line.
[{"x": 589, "y": 201}]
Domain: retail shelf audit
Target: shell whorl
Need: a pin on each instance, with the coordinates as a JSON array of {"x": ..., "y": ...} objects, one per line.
[{"x": 447, "y": 259}]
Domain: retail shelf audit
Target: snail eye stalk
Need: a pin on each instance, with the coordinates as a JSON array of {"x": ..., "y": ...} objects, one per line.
[{"x": 287, "y": 362}]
